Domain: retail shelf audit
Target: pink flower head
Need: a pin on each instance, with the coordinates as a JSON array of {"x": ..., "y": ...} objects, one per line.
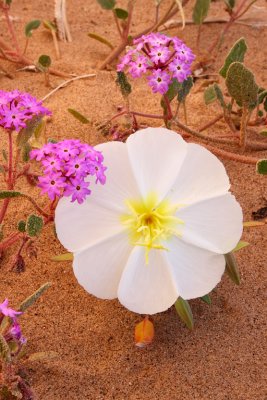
[
  {"x": 159, "y": 81},
  {"x": 7, "y": 311},
  {"x": 157, "y": 56},
  {"x": 17, "y": 108},
  {"x": 65, "y": 167}
]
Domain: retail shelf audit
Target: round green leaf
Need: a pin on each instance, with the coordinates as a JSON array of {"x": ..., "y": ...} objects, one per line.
[
  {"x": 32, "y": 25},
  {"x": 120, "y": 13}
]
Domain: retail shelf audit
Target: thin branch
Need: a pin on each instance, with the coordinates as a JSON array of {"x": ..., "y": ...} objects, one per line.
[
  {"x": 231, "y": 156},
  {"x": 212, "y": 122},
  {"x": 66, "y": 83}
]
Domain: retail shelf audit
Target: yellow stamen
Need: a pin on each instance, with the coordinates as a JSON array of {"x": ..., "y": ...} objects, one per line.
[{"x": 150, "y": 223}]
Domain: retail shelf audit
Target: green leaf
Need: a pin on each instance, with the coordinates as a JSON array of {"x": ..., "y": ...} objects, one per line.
[
  {"x": 42, "y": 355},
  {"x": 34, "y": 297},
  {"x": 101, "y": 39},
  {"x": 4, "y": 350},
  {"x": 240, "y": 245},
  {"x": 265, "y": 104},
  {"x": 261, "y": 167},
  {"x": 231, "y": 268},
  {"x": 4, "y": 154},
  {"x": 120, "y": 13},
  {"x": 26, "y": 149},
  {"x": 78, "y": 116},
  {"x": 44, "y": 62},
  {"x": 25, "y": 134},
  {"x": 8, "y": 194},
  {"x": 230, "y": 3},
  {"x": 184, "y": 89},
  {"x": 200, "y": 11},
  {"x": 263, "y": 132},
  {"x": 34, "y": 225},
  {"x": 206, "y": 299},
  {"x": 21, "y": 226},
  {"x": 210, "y": 95},
  {"x": 63, "y": 257},
  {"x": 184, "y": 311},
  {"x": 241, "y": 85},
  {"x": 219, "y": 95},
  {"x": 32, "y": 25},
  {"x": 237, "y": 53},
  {"x": 50, "y": 25},
  {"x": 107, "y": 4},
  {"x": 171, "y": 93},
  {"x": 123, "y": 83}
]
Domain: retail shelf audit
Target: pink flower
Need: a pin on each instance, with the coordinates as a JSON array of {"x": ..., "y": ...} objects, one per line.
[
  {"x": 184, "y": 53},
  {"x": 17, "y": 108},
  {"x": 12, "y": 117},
  {"x": 7, "y": 311},
  {"x": 153, "y": 54},
  {"x": 65, "y": 167},
  {"x": 159, "y": 81},
  {"x": 160, "y": 54},
  {"x": 180, "y": 69},
  {"x": 78, "y": 190},
  {"x": 52, "y": 185},
  {"x": 138, "y": 67}
]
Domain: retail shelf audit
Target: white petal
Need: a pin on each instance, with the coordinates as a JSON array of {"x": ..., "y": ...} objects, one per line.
[
  {"x": 196, "y": 271},
  {"x": 201, "y": 176},
  {"x": 98, "y": 269},
  {"x": 214, "y": 224},
  {"x": 156, "y": 155},
  {"x": 80, "y": 225},
  {"x": 120, "y": 184},
  {"x": 147, "y": 289}
]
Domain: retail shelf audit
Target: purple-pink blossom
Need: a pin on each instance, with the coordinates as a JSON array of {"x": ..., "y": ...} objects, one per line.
[
  {"x": 7, "y": 311},
  {"x": 159, "y": 81},
  {"x": 161, "y": 58},
  {"x": 17, "y": 108},
  {"x": 67, "y": 167}
]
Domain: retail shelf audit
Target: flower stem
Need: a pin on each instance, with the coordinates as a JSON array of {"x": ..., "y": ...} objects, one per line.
[
  {"x": 10, "y": 183},
  {"x": 11, "y": 28}
]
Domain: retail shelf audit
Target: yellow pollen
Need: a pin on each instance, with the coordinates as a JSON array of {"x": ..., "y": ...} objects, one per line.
[{"x": 151, "y": 223}]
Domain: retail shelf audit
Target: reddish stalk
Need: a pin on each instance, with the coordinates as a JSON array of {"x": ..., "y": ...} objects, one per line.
[
  {"x": 231, "y": 156},
  {"x": 11, "y": 28},
  {"x": 10, "y": 183},
  {"x": 212, "y": 122}
]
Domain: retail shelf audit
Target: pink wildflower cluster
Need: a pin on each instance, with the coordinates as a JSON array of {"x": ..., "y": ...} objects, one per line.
[
  {"x": 66, "y": 165},
  {"x": 162, "y": 57},
  {"x": 17, "y": 108},
  {"x": 14, "y": 331}
]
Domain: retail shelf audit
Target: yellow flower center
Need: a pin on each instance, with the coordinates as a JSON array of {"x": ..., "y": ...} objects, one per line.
[{"x": 150, "y": 223}]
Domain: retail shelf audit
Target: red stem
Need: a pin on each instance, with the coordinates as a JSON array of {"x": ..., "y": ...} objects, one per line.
[
  {"x": 11, "y": 28},
  {"x": 10, "y": 178}
]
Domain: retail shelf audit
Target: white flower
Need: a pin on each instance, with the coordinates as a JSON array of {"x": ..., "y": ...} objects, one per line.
[{"x": 158, "y": 228}]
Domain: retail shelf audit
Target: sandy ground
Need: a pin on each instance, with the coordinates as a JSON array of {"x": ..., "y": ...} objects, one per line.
[{"x": 223, "y": 358}]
